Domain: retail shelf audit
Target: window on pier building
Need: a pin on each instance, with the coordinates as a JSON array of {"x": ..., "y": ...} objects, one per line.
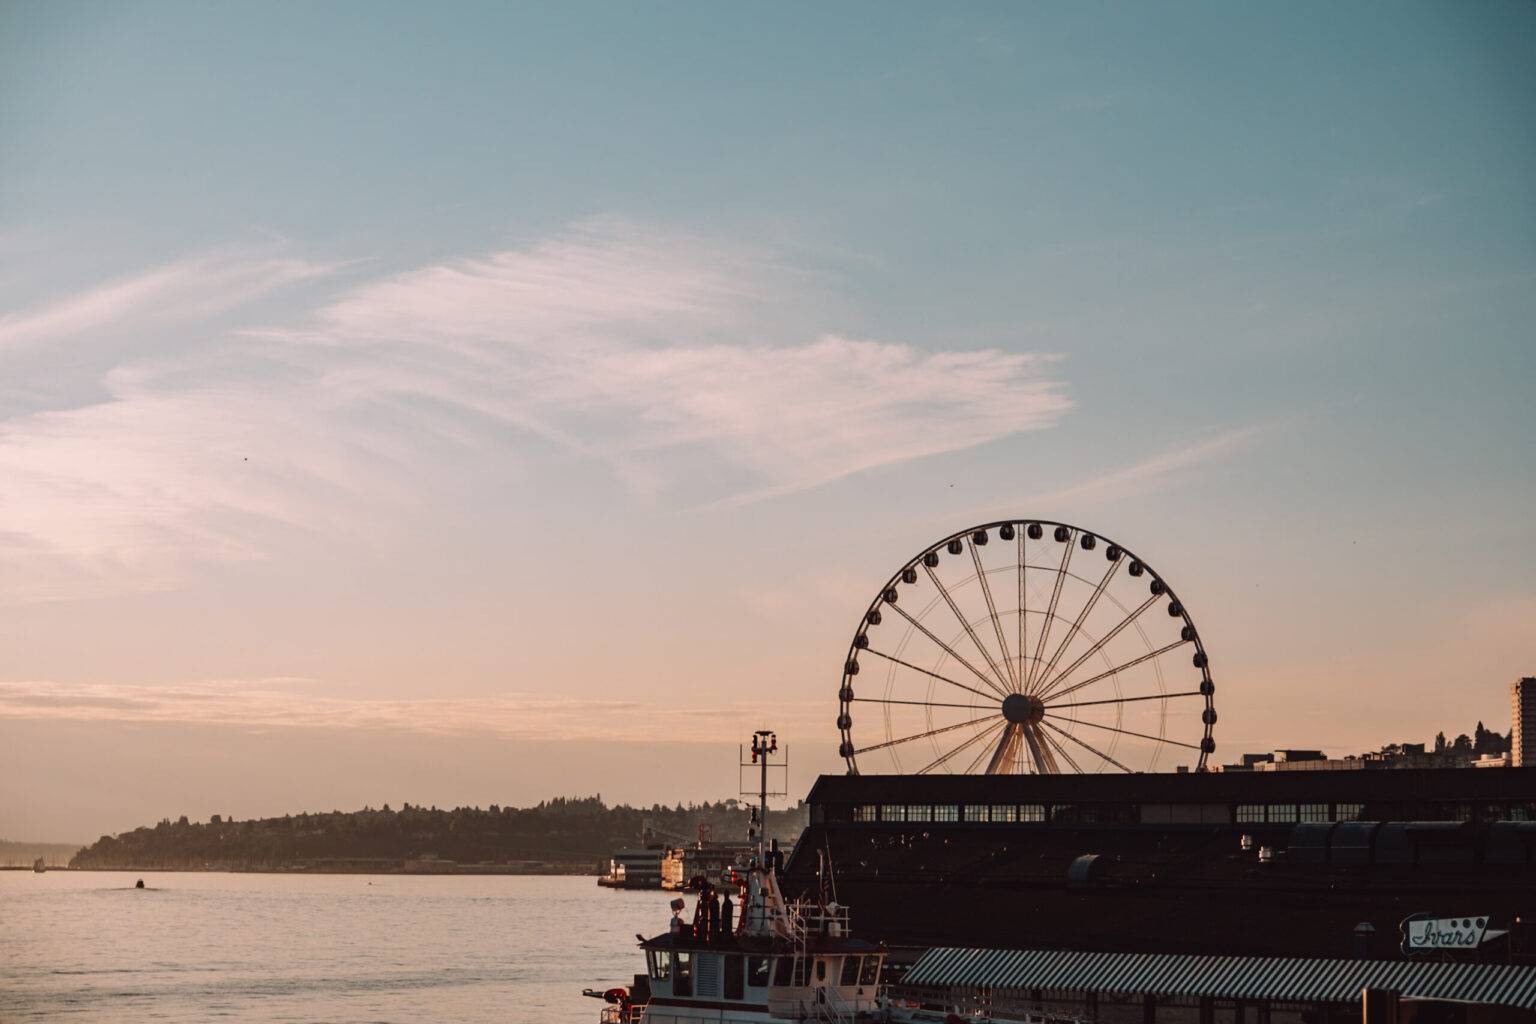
[
  {"x": 1005, "y": 812},
  {"x": 1250, "y": 813},
  {"x": 733, "y": 976},
  {"x": 1032, "y": 812},
  {"x": 682, "y": 974},
  {"x": 850, "y": 975},
  {"x": 1347, "y": 812},
  {"x": 946, "y": 812},
  {"x": 1314, "y": 812},
  {"x": 1282, "y": 812},
  {"x": 893, "y": 812},
  {"x": 758, "y": 971},
  {"x": 865, "y": 812},
  {"x": 919, "y": 812},
  {"x": 1519, "y": 812},
  {"x": 976, "y": 812}
]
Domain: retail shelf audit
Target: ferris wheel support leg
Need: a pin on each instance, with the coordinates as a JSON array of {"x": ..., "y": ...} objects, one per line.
[
  {"x": 1005, "y": 751},
  {"x": 1044, "y": 759}
]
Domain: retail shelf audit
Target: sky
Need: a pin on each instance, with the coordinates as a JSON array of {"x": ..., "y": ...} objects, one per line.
[{"x": 491, "y": 402}]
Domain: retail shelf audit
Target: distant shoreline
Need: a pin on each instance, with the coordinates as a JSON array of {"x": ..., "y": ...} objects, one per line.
[{"x": 565, "y": 870}]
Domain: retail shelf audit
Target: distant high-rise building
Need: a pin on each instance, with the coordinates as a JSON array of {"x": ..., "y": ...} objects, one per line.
[{"x": 1522, "y": 748}]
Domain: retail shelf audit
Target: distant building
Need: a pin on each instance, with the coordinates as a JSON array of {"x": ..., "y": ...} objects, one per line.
[
  {"x": 1522, "y": 751},
  {"x": 655, "y": 867},
  {"x": 1275, "y": 760},
  {"x": 1304, "y": 755}
]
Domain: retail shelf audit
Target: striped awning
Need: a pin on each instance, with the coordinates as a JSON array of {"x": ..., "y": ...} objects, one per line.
[{"x": 1277, "y": 979}]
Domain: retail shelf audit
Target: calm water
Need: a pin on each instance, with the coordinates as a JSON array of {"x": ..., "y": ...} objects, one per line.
[{"x": 86, "y": 946}]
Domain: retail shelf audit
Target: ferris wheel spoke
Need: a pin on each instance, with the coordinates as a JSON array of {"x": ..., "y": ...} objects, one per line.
[
  {"x": 1118, "y": 668},
  {"x": 945, "y": 757},
  {"x": 1098, "y": 645},
  {"x": 916, "y": 703},
  {"x": 1059, "y": 749},
  {"x": 1124, "y": 700},
  {"x": 924, "y": 735},
  {"x": 1128, "y": 732},
  {"x": 982, "y": 753},
  {"x": 926, "y": 672},
  {"x": 1077, "y": 623},
  {"x": 997, "y": 625},
  {"x": 1087, "y": 746},
  {"x": 1023, "y": 605},
  {"x": 1050, "y": 612},
  {"x": 978, "y": 673},
  {"x": 986, "y": 654}
]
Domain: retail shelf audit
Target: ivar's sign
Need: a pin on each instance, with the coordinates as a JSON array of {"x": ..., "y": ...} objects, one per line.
[{"x": 1425, "y": 934}]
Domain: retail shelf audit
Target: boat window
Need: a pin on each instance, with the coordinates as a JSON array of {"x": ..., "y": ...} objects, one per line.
[
  {"x": 758, "y": 971},
  {"x": 682, "y": 975},
  {"x": 733, "y": 969},
  {"x": 864, "y": 812},
  {"x": 706, "y": 975},
  {"x": 781, "y": 973},
  {"x": 821, "y": 968},
  {"x": 660, "y": 963},
  {"x": 798, "y": 981},
  {"x": 850, "y": 975},
  {"x": 870, "y": 975}
]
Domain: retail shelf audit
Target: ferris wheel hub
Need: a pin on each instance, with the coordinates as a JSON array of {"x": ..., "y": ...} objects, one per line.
[{"x": 1022, "y": 709}]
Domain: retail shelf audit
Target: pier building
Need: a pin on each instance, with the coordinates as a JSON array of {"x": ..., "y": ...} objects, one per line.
[{"x": 1244, "y": 863}]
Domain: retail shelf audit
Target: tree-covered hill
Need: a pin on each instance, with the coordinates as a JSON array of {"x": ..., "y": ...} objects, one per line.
[{"x": 569, "y": 834}]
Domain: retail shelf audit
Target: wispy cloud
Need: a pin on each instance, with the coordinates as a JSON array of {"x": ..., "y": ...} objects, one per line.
[
  {"x": 608, "y": 340},
  {"x": 1149, "y": 473},
  {"x": 185, "y": 290},
  {"x": 277, "y": 704},
  {"x": 653, "y": 352}
]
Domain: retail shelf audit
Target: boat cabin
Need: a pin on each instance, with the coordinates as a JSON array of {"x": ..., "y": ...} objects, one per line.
[{"x": 746, "y": 978}]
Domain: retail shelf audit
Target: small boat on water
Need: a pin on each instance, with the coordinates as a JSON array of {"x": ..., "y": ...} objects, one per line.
[
  {"x": 785, "y": 960},
  {"x": 39, "y": 865}
]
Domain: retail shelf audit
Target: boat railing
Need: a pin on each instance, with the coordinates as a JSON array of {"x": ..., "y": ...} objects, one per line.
[
  {"x": 817, "y": 919},
  {"x": 830, "y": 1008}
]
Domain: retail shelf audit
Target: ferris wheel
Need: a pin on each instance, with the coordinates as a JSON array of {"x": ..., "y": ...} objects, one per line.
[{"x": 1026, "y": 646}]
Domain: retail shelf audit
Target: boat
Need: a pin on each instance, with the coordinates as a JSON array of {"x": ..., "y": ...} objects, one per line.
[
  {"x": 39, "y": 865},
  {"x": 783, "y": 960}
]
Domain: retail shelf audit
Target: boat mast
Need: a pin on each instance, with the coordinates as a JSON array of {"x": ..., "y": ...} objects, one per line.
[{"x": 764, "y": 911}]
